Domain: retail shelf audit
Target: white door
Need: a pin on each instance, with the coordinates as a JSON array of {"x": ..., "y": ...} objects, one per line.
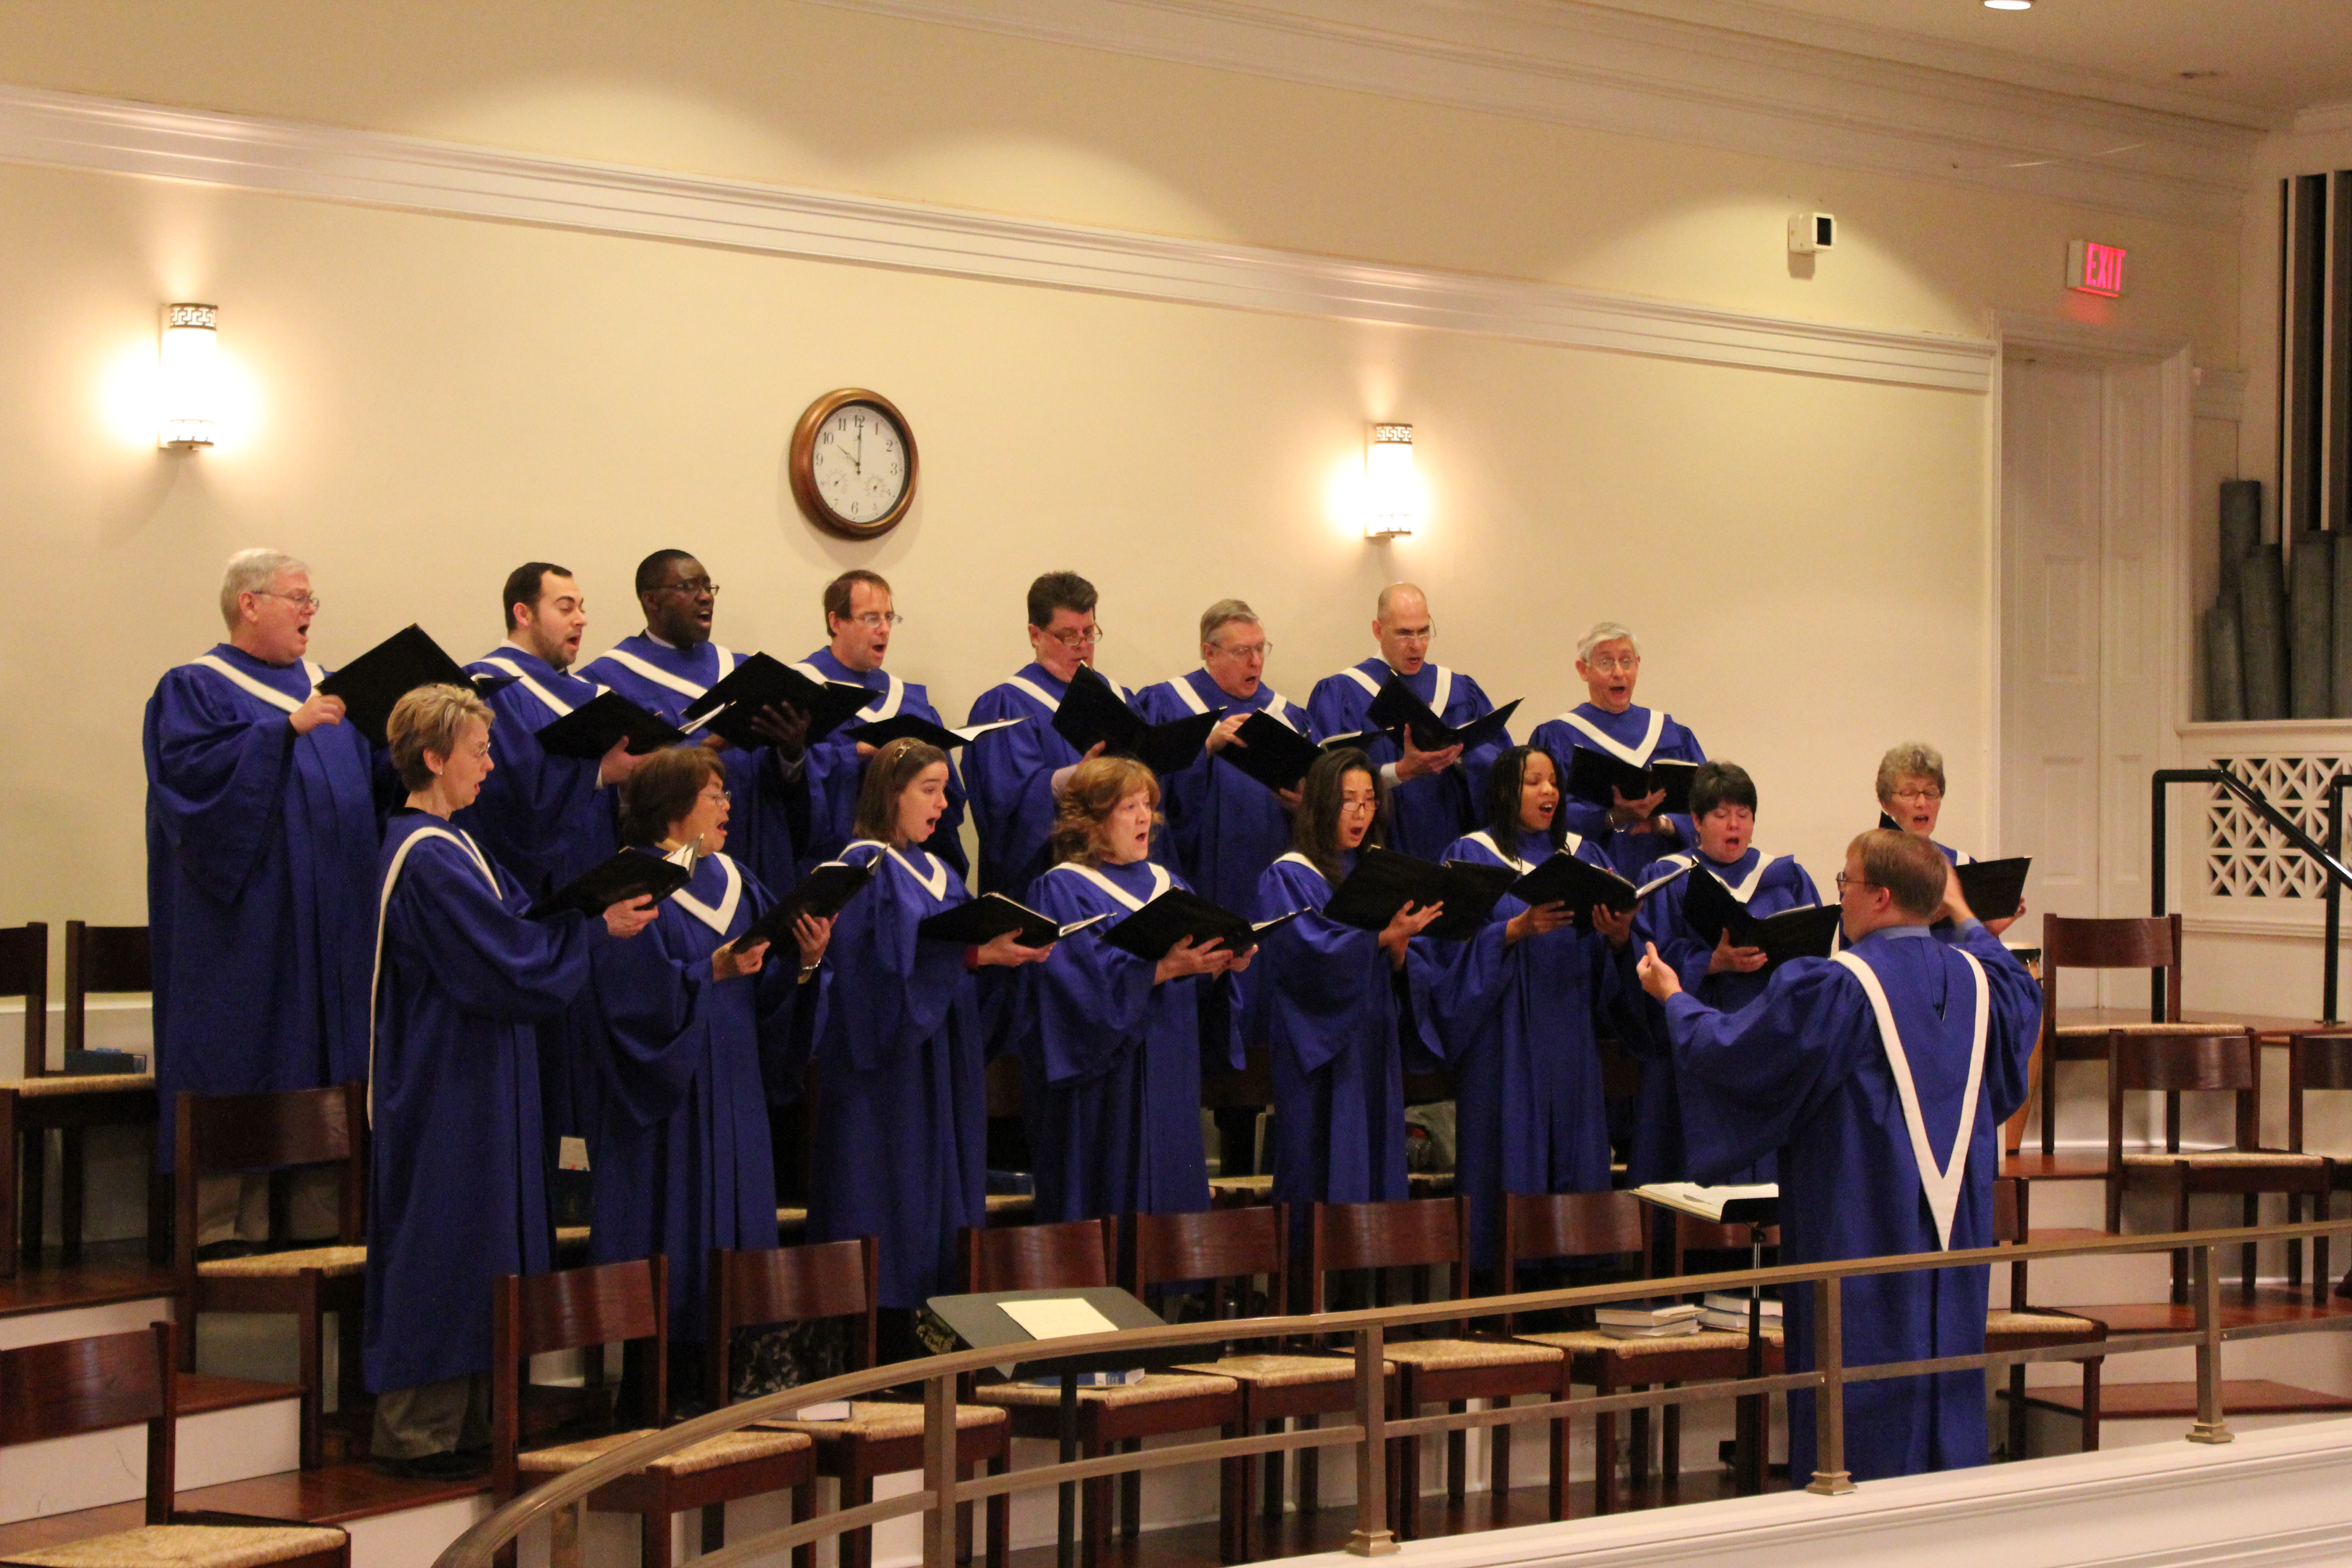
[{"x": 2082, "y": 471}]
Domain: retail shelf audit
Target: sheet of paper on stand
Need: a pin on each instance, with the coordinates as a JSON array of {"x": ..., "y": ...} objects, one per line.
[
  {"x": 1059, "y": 1318},
  {"x": 1709, "y": 1202}
]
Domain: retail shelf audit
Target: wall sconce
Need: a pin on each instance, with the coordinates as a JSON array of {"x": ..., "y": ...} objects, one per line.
[
  {"x": 190, "y": 379},
  {"x": 1388, "y": 479}
]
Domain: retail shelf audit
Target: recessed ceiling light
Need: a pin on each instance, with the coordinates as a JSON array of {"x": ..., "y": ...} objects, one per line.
[{"x": 2009, "y": 4}]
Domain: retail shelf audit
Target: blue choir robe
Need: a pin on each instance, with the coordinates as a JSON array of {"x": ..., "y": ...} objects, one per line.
[
  {"x": 1010, "y": 774},
  {"x": 683, "y": 1163},
  {"x": 1765, "y": 884},
  {"x": 1225, "y": 826},
  {"x": 1638, "y": 735},
  {"x": 1340, "y": 1023},
  {"x": 1425, "y": 814},
  {"x": 1519, "y": 1023},
  {"x": 261, "y": 848},
  {"x": 901, "y": 1092},
  {"x": 1111, "y": 1063},
  {"x": 546, "y": 819},
  {"x": 458, "y": 1176},
  {"x": 836, "y": 770},
  {"x": 769, "y": 820},
  {"x": 1808, "y": 1070}
]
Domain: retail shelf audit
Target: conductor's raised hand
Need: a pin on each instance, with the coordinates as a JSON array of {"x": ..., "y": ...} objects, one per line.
[
  {"x": 1955, "y": 902},
  {"x": 1005, "y": 950},
  {"x": 317, "y": 709},
  {"x": 1728, "y": 960},
  {"x": 1189, "y": 957},
  {"x": 735, "y": 959},
  {"x": 1227, "y": 733},
  {"x": 1657, "y": 976},
  {"x": 1538, "y": 920},
  {"x": 630, "y": 916}
]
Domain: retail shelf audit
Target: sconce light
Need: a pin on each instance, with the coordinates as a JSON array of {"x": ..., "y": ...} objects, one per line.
[
  {"x": 1389, "y": 483},
  {"x": 190, "y": 381}
]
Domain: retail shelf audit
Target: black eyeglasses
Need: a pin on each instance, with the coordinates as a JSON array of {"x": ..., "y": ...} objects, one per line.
[{"x": 1843, "y": 882}]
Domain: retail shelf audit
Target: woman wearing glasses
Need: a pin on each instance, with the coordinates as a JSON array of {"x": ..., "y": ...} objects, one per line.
[{"x": 692, "y": 1025}]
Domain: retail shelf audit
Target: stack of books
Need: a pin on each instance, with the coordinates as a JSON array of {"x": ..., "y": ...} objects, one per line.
[
  {"x": 1647, "y": 1320},
  {"x": 1728, "y": 1309}
]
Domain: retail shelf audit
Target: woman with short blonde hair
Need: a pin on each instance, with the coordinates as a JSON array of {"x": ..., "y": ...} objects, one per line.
[{"x": 1113, "y": 1045}]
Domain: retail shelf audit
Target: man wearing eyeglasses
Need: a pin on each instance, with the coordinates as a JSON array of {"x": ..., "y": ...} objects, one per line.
[
  {"x": 1016, "y": 776},
  {"x": 860, "y": 619},
  {"x": 1433, "y": 795},
  {"x": 1879, "y": 1075},
  {"x": 1630, "y": 831},
  {"x": 1227, "y": 827},
  {"x": 261, "y": 843},
  {"x": 672, "y": 662}
]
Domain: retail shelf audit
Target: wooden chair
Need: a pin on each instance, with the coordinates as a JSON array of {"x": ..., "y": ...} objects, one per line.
[
  {"x": 577, "y": 1309},
  {"x": 2021, "y": 1327},
  {"x": 55, "y": 1101},
  {"x": 835, "y": 1281},
  {"x": 2146, "y": 942},
  {"x": 1423, "y": 1234},
  {"x": 1547, "y": 1226},
  {"x": 2320, "y": 1061},
  {"x": 69, "y": 1387},
  {"x": 221, "y": 1134},
  {"x": 1118, "y": 1417},
  {"x": 2215, "y": 1058}
]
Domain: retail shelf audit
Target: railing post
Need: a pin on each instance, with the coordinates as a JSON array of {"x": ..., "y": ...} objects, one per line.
[
  {"x": 1831, "y": 1478},
  {"x": 2211, "y": 1427},
  {"x": 940, "y": 1472},
  {"x": 1372, "y": 1537},
  {"x": 2332, "y": 959}
]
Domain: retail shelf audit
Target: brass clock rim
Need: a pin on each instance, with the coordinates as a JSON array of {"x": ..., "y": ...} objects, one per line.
[{"x": 802, "y": 464}]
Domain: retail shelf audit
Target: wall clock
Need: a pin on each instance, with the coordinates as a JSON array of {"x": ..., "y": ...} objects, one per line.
[{"x": 853, "y": 463}]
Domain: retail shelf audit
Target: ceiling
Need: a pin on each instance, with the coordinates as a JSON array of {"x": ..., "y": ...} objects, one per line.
[{"x": 2273, "y": 56}]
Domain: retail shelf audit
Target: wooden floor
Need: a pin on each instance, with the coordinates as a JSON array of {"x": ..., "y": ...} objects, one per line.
[
  {"x": 2269, "y": 1304},
  {"x": 2155, "y": 1400},
  {"x": 110, "y": 1272}
]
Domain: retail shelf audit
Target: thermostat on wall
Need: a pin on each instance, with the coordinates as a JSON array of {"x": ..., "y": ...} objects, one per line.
[{"x": 1810, "y": 232}]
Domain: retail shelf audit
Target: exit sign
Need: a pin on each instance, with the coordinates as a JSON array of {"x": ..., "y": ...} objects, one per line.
[{"x": 2095, "y": 268}]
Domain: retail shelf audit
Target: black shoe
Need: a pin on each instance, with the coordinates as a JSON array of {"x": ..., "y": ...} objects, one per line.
[
  {"x": 442, "y": 1467},
  {"x": 214, "y": 1251}
]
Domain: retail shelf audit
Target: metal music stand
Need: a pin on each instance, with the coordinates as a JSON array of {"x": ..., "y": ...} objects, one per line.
[
  {"x": 1758, "y": 1214},
  {"x": 980, "y": 1322}
]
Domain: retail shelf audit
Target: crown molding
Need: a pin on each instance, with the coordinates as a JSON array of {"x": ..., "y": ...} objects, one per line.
[
  {"x": 1603, "y": 67},
  {"x": 382, "y": 169}
]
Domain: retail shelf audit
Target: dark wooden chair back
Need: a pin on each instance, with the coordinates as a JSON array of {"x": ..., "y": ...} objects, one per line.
[
  {"x": 1073, "y": 1254},
  {"x": 220, "y": 1133},
  {"x": 103, "y": 959},
  {"x": 2226, "y": 1061},
  {"x": 1544, "y": 1228},
  {"x": 2148, "y": 941},
  {"x": 25, "y": 972},
  {"x": 2314, "y": 1061},
  {"x": 1692, "y": 1234},
  {"x": 1221, "y": 1247},
  {"x": 68, "y": 1387},
  {"x": 823, "y": 1279},
  {"x": 1421, "y": 1234},
  {"x": 575, "y": 1308}
]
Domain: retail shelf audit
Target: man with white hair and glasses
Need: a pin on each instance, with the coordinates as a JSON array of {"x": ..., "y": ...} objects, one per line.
[
  {"x": 261, "y": 843},
  {"x": 1630, "y": 831}
]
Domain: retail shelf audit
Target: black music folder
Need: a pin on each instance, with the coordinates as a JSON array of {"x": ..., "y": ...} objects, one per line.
[
  {"x": 1384, "y": 881},
  {"x": 1711, "y": 910},
  {"x": 1396, "y": 707},
  {"x": 1272, "y": 752},
  {"x": 372, "y": 684},
  {"x": 760, "y": 681},
  {"x": 1580, "y": 885},
  {"x": 914, "y": 726},
  {"x": 990, "y": 915},
  {"x": 592, "y": 729},
  {"x": 1994, "y": 889},
  {"x": 1092, "y": 711},
  {"x": 630, "y": 874},
  {"x": 1593, "y": 773},
  {"x": 824, "y": 892},
  {"x": 1177, "y": 914}
]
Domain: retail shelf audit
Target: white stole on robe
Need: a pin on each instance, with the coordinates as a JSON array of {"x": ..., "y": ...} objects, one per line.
[
  {"x": 660, "y": 677},
  {"x": 1036, "y": 693},
  {"x": 1161, "y": 882},
  {"x": 1639, "y": 756},
  {"x": 886, "y": 706},
  {"x": 1744, "y": 889},
  {"x": 247, "y": 683},
  {"x": 718, "y": 919},
  {"x": 1569, "y": 844},
  {"x": 934, "y": 882},
  {"x": 1941, "y": 1182},
  {"x": 1438, "y": 698},
  {"x": 529, "y": 683},
  {"x": 384, "y": 903}
]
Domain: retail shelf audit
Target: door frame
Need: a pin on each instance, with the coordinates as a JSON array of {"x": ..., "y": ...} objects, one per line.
[{"x": 2108, "y": 347}]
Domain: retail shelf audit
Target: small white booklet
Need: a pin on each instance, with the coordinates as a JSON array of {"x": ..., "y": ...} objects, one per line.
[
  {"x": 1059, "y": 1318},
  {"x": 1707, "y": 1203}
]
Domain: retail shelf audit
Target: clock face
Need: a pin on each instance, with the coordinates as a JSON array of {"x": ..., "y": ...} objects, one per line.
[{"x": 859, "y": 465}]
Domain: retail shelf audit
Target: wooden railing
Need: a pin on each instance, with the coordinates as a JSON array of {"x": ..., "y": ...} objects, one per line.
[{"x": 941, "y": 1493}]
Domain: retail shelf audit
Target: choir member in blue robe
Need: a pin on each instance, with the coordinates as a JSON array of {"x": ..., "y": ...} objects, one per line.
[
  {"x": 1880, "y": 1077},
  {"x": 689, "y": 1015},
  {"x": 1435, "y": 796},
  {"x": 1518, "y": 1010},
  {"x": 902, "y": 1102},
  {"x": 1631, "y": 833},
  {"x": 1112, "y": 1046},
  {"x": 457, "y": 1178},
  {"x": 672, "y": 662},
  {"x": 1225, "y": 826},
  {"x": 1015, "y": 775},
  {"x": 858, "y": 618},
  {"x": 261, "y": 840},
  {"x": 1723, "y": 798},
  {"x": 546, "y": 818},
  {"x": 1342, "y": 1007}
]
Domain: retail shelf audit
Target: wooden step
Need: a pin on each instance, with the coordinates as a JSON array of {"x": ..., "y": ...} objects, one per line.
[
  {"x": 201, "y": 1392},
  {"x": 110, "y": 1272},
  {"x": 2177, "y": 1400},
  {"x": 339, "y": 1494},
  {"x": 2269, "y": 1304},
  {"x": 2033, "y": 1165}
]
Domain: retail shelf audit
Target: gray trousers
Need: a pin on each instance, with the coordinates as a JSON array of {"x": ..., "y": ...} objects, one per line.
[{"x": 432, "y": 1418}]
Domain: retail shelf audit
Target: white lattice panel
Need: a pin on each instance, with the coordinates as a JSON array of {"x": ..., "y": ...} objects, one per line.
[{"x": 2244, "y": 858}]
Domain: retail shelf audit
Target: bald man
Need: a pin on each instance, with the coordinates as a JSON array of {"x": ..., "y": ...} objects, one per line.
[{"x": 1434, "y": 792}]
